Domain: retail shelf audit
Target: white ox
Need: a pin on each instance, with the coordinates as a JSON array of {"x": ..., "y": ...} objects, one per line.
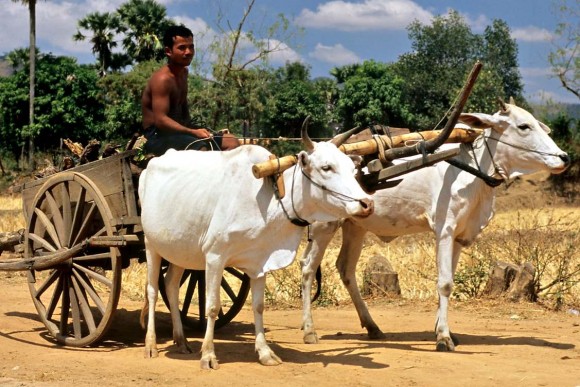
[
  {"x": 205, "y": 210},
  {"x": 453, "y": 204}
]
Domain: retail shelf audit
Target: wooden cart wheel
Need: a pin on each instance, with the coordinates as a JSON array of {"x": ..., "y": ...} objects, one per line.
[
  {"x": 235, "y": 287},
  {"x": 75, "y": 299}
]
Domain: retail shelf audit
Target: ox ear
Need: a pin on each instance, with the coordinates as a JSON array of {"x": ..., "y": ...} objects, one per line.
[
  {"x": 545, "y": 127},
  {"x": 304, "y": 159},
  {"x": 357, "y": 160},
  {"x": 478, "y": 120}
]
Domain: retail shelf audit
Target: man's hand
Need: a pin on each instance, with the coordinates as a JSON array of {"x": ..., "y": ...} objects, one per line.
[{"x": 201, "y": 133}]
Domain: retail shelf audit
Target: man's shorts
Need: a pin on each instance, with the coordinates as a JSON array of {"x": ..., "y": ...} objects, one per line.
[{"x": 158, "y": 143}]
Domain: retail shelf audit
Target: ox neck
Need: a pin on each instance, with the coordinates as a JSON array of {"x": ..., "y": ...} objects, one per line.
[{"x": 481, "y": 161}]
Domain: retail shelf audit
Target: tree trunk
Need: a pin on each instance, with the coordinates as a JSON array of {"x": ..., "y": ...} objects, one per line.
[
  {"x": 512, "y": 281},
  {"x": 379, "y": 278},
  {"x": 32, "y": 11}
]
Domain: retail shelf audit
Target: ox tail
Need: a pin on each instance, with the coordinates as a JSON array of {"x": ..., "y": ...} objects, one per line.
[
  {"x": 318, "y": 284},
  {"x": 145, "y": 310}
]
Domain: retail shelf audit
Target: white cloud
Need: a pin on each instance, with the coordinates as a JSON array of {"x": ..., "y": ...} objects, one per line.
[
  {"x": 532, "y": 34},
  {"x": 478, "y": 24},
  {"x": 366, "y": 15},
  {"x": 283, "y": 54},
  {"x": 336, "y": 55}
]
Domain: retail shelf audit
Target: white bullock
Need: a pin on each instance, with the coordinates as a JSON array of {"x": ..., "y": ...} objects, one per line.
[
  {"x": 205, "y": 210},
  {"x": 452, "y": 203}
]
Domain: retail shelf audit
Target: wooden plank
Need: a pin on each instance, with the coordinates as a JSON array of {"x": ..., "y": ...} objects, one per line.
[{"x": 372, "y": 181}]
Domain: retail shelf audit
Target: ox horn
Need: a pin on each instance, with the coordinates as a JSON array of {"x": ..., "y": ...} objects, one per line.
[
  {"x": 512, "y": 101},
  {"x": 308, "y": 144},
  {"x": 339, "y": 139},
  {"x": 502, "y": 105}
]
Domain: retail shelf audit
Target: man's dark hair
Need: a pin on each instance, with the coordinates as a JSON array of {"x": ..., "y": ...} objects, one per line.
[{"x": 173, "y": 31}]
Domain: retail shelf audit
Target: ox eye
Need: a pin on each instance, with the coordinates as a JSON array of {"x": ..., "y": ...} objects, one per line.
[
  {"x": 326, "y": 168},
  {"x": 524, "y": 127}
]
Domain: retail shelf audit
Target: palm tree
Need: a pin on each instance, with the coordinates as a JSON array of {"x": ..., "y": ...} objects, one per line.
[
  {"x": 143, "y": 22},
  {"x": 32, "y": 60},
  {"x": 104, "y": 26}
]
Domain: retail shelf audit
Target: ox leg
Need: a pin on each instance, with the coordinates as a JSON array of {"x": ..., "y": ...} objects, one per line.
[
  {"x": 213, "y": 277},
  {"x": 447, "y": 259},
  {"x": 322, "y": 234},
  {"x": 352, "y": 243},
  {"x": 172, "y": 282},
  {"x": 265, "y": 354},
  {"x": 152, "y": 290}
]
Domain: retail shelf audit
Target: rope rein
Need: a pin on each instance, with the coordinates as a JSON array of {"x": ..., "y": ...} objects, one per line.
[{"x": 298, "y": 220}]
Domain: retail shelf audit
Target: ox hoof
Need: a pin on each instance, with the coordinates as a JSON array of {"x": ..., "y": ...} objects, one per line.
[
  {"x": 311, "y": 338},
  {"x": 270, "y": 359},
  {"x": 376, "y": 334},
  {"x": 151, "y": 352},
  {"x": 445, "y": 345},
  {"x": 184, "y": 348},
  {"x": 209, "y": 362}
]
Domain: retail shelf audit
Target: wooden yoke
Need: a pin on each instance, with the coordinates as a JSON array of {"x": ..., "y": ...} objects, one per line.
[
  {"x": 367, "y": 147},
  {"x": 278, "y": 179}
]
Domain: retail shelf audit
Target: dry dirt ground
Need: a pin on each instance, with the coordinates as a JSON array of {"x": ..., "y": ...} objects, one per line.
[{"x": 501, "y": 344}]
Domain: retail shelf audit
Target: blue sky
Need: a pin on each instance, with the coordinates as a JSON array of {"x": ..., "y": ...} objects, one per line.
[{"x": 335, "y": 32}]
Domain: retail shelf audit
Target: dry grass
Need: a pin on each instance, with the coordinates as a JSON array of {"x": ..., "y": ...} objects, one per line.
[
  {"x": 548, "y": 237},
  {"x": 11, "y": 218}
]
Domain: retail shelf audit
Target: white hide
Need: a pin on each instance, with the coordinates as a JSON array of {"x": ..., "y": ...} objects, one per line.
[
  {"x": 451, "y": 203},
  {"x": 205, "y": 210}
]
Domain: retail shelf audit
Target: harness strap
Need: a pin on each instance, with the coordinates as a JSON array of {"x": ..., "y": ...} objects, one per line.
[{"x": 490, "y": 181}]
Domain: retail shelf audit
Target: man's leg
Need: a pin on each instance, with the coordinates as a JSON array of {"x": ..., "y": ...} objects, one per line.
[{"x": 229, "y": 142}]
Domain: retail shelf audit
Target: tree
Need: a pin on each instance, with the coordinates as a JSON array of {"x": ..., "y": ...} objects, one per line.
[
  {"x": 32, "y": 70},
  {"x": 103, "y": 27},
  {"x": 143, "y": 22},
  {"x": 67, "y": 104},
  {"x": 232, "y": 87},
  {"x": 564, "y": 58},
  {"x": 121, "y": 97},
  {"x": 442, "y": 57},
  {"x": 500, "y": 54},
  {"x": 293, "y": 97},
  {"x": 371, "y": 93}
]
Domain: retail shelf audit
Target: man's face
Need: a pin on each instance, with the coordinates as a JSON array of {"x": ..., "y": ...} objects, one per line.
[{"x": 182, "y": 51}]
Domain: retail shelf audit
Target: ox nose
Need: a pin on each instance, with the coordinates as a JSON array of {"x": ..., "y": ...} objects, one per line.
[
  {"x": 368, "y": 206},
  {"x": 566, "y": 159}
]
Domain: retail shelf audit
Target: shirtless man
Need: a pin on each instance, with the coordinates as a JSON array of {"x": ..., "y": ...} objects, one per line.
[{"x": 166, "y": 120}]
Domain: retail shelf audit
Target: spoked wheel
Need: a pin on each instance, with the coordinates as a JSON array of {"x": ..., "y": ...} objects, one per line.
[
  {"x": 235, "y": 287},
  {"x": 74, "y": 299}
]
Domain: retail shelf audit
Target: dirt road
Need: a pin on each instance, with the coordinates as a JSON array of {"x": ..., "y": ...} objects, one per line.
[{"x": 500, "y": 345}]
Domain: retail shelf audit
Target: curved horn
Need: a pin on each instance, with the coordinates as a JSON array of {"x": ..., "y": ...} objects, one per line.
[
  {"x": 339, "y": 139},
  {"x": 308, "y": 144},
  {"x": 502, "y": 105}
]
